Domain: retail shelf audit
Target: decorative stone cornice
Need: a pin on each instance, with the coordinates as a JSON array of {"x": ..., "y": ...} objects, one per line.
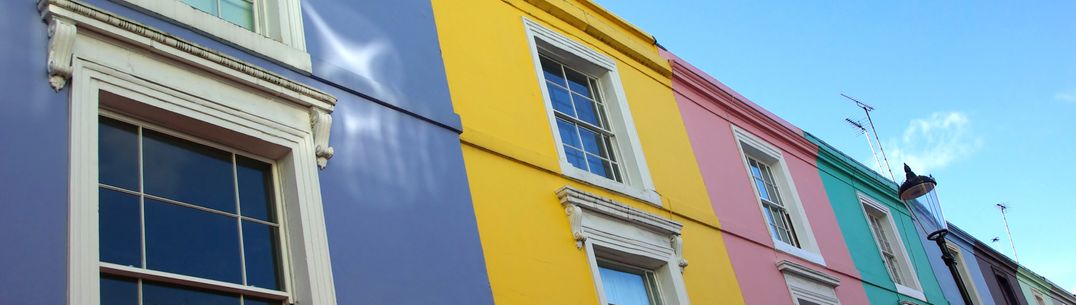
[
  {"x": 320, "y": 123},
  {"x": 577, "y": 203},
  {"x": 65, "y": 31},
  {"x": 573, "y": 197},
  {"x": 808, "y": 273},
  {"x": 61, "y": 46}
]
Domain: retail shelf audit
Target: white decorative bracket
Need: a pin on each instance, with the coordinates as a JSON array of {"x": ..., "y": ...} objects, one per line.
[
  {"x": 320, "y": 123},
  {"x": 575, "y": 219},
  {"x": 61, "y": 47},
  {"x": 678, "y": 250}
]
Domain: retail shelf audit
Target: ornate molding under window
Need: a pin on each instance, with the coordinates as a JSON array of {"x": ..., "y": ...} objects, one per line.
[
  {"x": 591, "y": 216},
  {"x": 66, "y": 18},
  {"x": 788, "y": 267}
]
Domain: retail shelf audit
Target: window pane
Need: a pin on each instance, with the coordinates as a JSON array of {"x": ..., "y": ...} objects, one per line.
[
  {"x": 208, "y": 6},
  {"x": 806, "y": 302},
  {"x": 162, "y": 294},
  {"x": 254, "y": 301},
  {"x": 592, "y": 142},
  {"x": 578, "y": 83},
  {"x": 623, "y": 288},
  {"x": 552, "y": 71},
  {"x": 255, "y": 188},
  {"x": 561, "y": 100},
  {"x": 120, "y": 229},
  {"x": 240, "y": 12},
  {"x": 575, "y": 157},
  {"x": 118, "y": 291},
  {"x": 188, "y": 241},
  {"x": 260, "y": 249},
  {"x": 598, "y": 166},
  {"x": 117, "y": 154},
  {"x": 568, "y": 136},
  {"x": 762, "y": 193},
  {"x": 586, "y": 110},
  {"x": 188, "y": 172}
]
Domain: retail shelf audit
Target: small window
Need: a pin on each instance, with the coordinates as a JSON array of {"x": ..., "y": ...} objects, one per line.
[
  {"x": 272, "y": 28},
  {"x": 589, "y": 143},
  {"x": 782, "y": 211},
  {"x": 775, "y": 211},
  {"x": 589, "y": 117},
  {"x": 238, "y": 12},
  {"x": 193, "y": 212},
  {"x": 1006, "y": 289},
  {"x": 627, "y": 285},
  {"x": 891, "y": 247}
]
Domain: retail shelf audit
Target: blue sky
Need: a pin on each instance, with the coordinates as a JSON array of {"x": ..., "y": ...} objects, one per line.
[{"x": 980, "y": 94}]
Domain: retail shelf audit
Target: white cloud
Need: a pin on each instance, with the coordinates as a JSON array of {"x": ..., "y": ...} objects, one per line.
[
  {"x": 1066, "y": 96},
  {"x": 933, "y": 143}
]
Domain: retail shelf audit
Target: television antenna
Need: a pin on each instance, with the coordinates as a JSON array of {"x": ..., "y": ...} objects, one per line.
[
  {"x": 1003, "y": 207},
  {"x": 866, "y": 134},
  {"x": 867, "y": 109}
]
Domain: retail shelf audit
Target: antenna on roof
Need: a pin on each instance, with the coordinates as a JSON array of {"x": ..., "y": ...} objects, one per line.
[
  {"x": 859, "y": 125},
  {"x": 867, "y": 109},
  {"x": 1005, "y": 206}
]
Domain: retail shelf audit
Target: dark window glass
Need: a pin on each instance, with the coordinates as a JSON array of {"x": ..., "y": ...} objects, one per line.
[
  {"x": 568, "y": 136},
  {"x": 192, "y": 242},
  {"x": 117, "y": 154},
  {"x": 253, "y": 301},
  {"x": 162, "y": 294},
  {"x": 188, "y": 172},
  {"x": 120, "y": 231},
  {"x": 806, "y": 302},
  {"x": 624, "y": 288},
  {"x": 255, "y": 188},
  {"x": 587, "y": 111},
  {"x": 562, "y": 101},
  {"x": 118, "y": 291},
  {"x": 578, "y": 83},
  {"x": 592, "y": 142},
  {"x": 262, "y": 262},
  {"x": 552, "y": 71}
]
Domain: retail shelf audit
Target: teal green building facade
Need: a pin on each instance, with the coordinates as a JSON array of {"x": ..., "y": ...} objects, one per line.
[{"x": 855, "y": 192}]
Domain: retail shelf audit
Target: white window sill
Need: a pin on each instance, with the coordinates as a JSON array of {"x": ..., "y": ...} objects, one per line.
[
  {"x": 912, "y": 292},
  {"x": 797, "y": 252},
  {"x": 649, "y": 196},
  {"x": 224, "y": 31}
]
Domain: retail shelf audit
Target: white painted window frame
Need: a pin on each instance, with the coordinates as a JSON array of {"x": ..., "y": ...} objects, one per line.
[
  {"x": 965, "y": 272},
  {"x": 809, "y": 284},
  {"x": 260, "y": 113},
  {"x": 866, "y": 202},
  {"x": 284, "y": 21},
  {"x": 750, "y": 145},
  {"x": 609, "y": 230},
  {"x": 637, "y": 181}
]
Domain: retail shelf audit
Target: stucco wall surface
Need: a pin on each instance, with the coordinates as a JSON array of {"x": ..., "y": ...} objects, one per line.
[
  {"x": 512, "y": 161},
  {"x": 710, "y": 115}
]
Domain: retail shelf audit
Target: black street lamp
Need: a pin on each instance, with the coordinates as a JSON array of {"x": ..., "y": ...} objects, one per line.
[{"x": 916, "y": 186}]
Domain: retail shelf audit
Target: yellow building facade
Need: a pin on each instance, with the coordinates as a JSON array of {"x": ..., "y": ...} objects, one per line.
[{"x": 580, "y": 168}]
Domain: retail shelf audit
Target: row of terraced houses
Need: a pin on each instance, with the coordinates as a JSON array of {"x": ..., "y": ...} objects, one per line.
[{"x": 320, "y": 152}]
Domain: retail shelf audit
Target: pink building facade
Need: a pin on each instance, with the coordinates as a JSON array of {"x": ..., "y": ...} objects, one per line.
[{"x": 781, "y": 232}]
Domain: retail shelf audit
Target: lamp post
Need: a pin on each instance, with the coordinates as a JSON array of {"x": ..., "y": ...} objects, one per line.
[{"x": 916, "y": 186}]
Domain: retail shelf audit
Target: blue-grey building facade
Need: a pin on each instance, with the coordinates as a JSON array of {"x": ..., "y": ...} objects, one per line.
[{"x": 395, "y": 222}]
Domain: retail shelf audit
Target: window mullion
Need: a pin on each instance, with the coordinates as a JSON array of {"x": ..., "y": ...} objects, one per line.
[
  {"x": 141, "y": 206},
  {"x": 239, "y": 222}
]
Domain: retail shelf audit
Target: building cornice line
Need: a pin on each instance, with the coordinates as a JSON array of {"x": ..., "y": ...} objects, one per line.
[
  {"x": 48, "y": 7},
  {"x": 582, "y": 22},
  {"x": 739, "y": 108}
]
